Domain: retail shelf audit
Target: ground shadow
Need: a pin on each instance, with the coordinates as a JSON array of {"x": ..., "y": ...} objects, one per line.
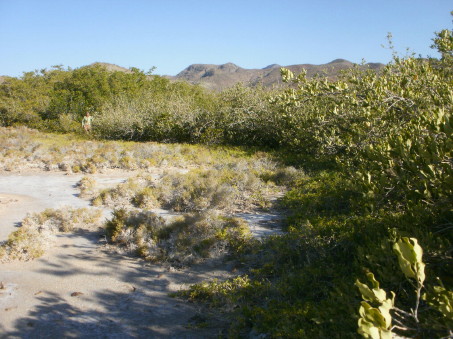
[{"x": 139, "y": 308}]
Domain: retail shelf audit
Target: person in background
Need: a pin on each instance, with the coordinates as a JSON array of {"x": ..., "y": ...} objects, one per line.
[{"x": 86, "y": 122}]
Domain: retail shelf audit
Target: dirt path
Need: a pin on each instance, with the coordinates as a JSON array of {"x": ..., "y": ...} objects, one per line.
[{"x": 78, "y": 288}]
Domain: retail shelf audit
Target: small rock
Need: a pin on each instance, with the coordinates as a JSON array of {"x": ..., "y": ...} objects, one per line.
[
  {"x": 76, "y": 294},
  {"x": 10, "y": 308}
]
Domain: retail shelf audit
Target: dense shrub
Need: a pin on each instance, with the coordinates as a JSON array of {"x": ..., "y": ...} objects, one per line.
[
  {"x": 170, "y": 115},
  {"x": 390, "y": 135}
]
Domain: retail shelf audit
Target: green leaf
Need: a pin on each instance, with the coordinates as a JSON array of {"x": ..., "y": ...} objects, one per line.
[
  {"x": 410, "y": 255},
  {"x": 372, "y": 323},
  {"x": 405, "y": 258},
  {"x": 385, "y": 308},
  {"x": 366, "y": 292}
]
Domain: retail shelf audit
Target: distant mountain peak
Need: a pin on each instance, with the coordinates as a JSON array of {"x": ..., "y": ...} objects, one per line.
[
  {"x": 337, "y": 61},
  {"x": 111, "y": 67},
  {"x": 272, "y": 66},
  {"x": 229, "y": 67}
]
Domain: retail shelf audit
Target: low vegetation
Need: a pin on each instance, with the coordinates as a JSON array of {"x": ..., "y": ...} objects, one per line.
[
  {"x": 37, "y": 231},
  {"x": 235, "y": 187},
  {"x": 23, "y": 148},
  {"x": 183, "y": 241}
]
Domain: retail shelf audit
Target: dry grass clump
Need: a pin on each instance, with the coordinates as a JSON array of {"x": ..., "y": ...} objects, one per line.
[
  {"x": 146, "y": 198},
  {"x": 135, "y": 231},
  {"x": 194, "y": 237},
  {"x": 123, "y": 194},
  {"x": 87, "y": 187},
  {"x": 38, "y": 230},
  {"x": 64, "y": 219},
  {"x": 199, "y": 190},
  {"x": 229, "y": 188},
  {"x": 187, "y": 240},
  {"x": 27, "y": 243}
]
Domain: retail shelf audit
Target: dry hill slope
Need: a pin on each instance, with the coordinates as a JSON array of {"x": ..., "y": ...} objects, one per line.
[{"x": 218, "y": 77}]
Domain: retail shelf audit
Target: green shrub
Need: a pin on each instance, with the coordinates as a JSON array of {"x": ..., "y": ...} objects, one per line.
[{"x": 389, "y": 135}]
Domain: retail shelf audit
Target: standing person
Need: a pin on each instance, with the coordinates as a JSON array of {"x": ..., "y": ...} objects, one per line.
[{"x": 86, "y": 122}]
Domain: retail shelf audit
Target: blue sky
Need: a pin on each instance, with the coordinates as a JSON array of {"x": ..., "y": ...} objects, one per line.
[{"x": 173, "y": 34}]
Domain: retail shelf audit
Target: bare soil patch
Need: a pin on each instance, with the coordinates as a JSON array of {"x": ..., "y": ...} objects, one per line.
[
  {"x": 78, "y": 289},
  {"x": 81, "y": 289}
]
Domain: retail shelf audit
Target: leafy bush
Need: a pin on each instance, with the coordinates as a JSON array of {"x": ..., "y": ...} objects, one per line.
[
  {"x": 377, "y": 321},
  {"x": 169, "y": 112},
  {"x": 389, "y": 135}
]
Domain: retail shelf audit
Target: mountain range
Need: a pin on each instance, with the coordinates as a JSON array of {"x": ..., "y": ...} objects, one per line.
[{"x": 219, "y": 77}]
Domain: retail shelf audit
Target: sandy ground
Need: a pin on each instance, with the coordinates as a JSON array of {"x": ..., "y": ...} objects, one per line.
[
  {"x": 21, "y": 194},
  {"x": 78, "y": 289}
]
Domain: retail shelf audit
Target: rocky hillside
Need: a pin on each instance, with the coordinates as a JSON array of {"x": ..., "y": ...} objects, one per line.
[{"x": 218, "y": 77}]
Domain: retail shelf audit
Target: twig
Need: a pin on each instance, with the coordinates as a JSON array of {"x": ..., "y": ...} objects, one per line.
[
  {"x": 403, "y": 328},
  {"x": 417, "y": 302},
  {"x": 401, "y": 312}
]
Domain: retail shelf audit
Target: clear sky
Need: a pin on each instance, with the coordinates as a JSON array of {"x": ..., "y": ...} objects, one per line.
[{"x": 172, "y": 34}]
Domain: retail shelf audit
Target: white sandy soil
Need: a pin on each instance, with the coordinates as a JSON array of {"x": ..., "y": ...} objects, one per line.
[{"x": 78, "y": 289}]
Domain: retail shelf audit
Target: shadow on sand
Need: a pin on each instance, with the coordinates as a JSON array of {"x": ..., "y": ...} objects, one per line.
[{"x": 135, "y": 305}]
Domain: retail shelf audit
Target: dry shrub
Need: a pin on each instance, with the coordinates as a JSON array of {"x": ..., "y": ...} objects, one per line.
[
  {"x": 125, "y": 193},
  {"x": 87, "y": 187},
  {"x": 195, "y": 237},
  {"x": 227, "y": 188},
  {"x": 197, "y": 190},
  {"x": 135, "y": 231},
  {"x": 38, "y": 230},
  {"x": 146, "y": 198},
  {"x": 188, "y": 239},
  {"x": 27, "y": 243}
]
